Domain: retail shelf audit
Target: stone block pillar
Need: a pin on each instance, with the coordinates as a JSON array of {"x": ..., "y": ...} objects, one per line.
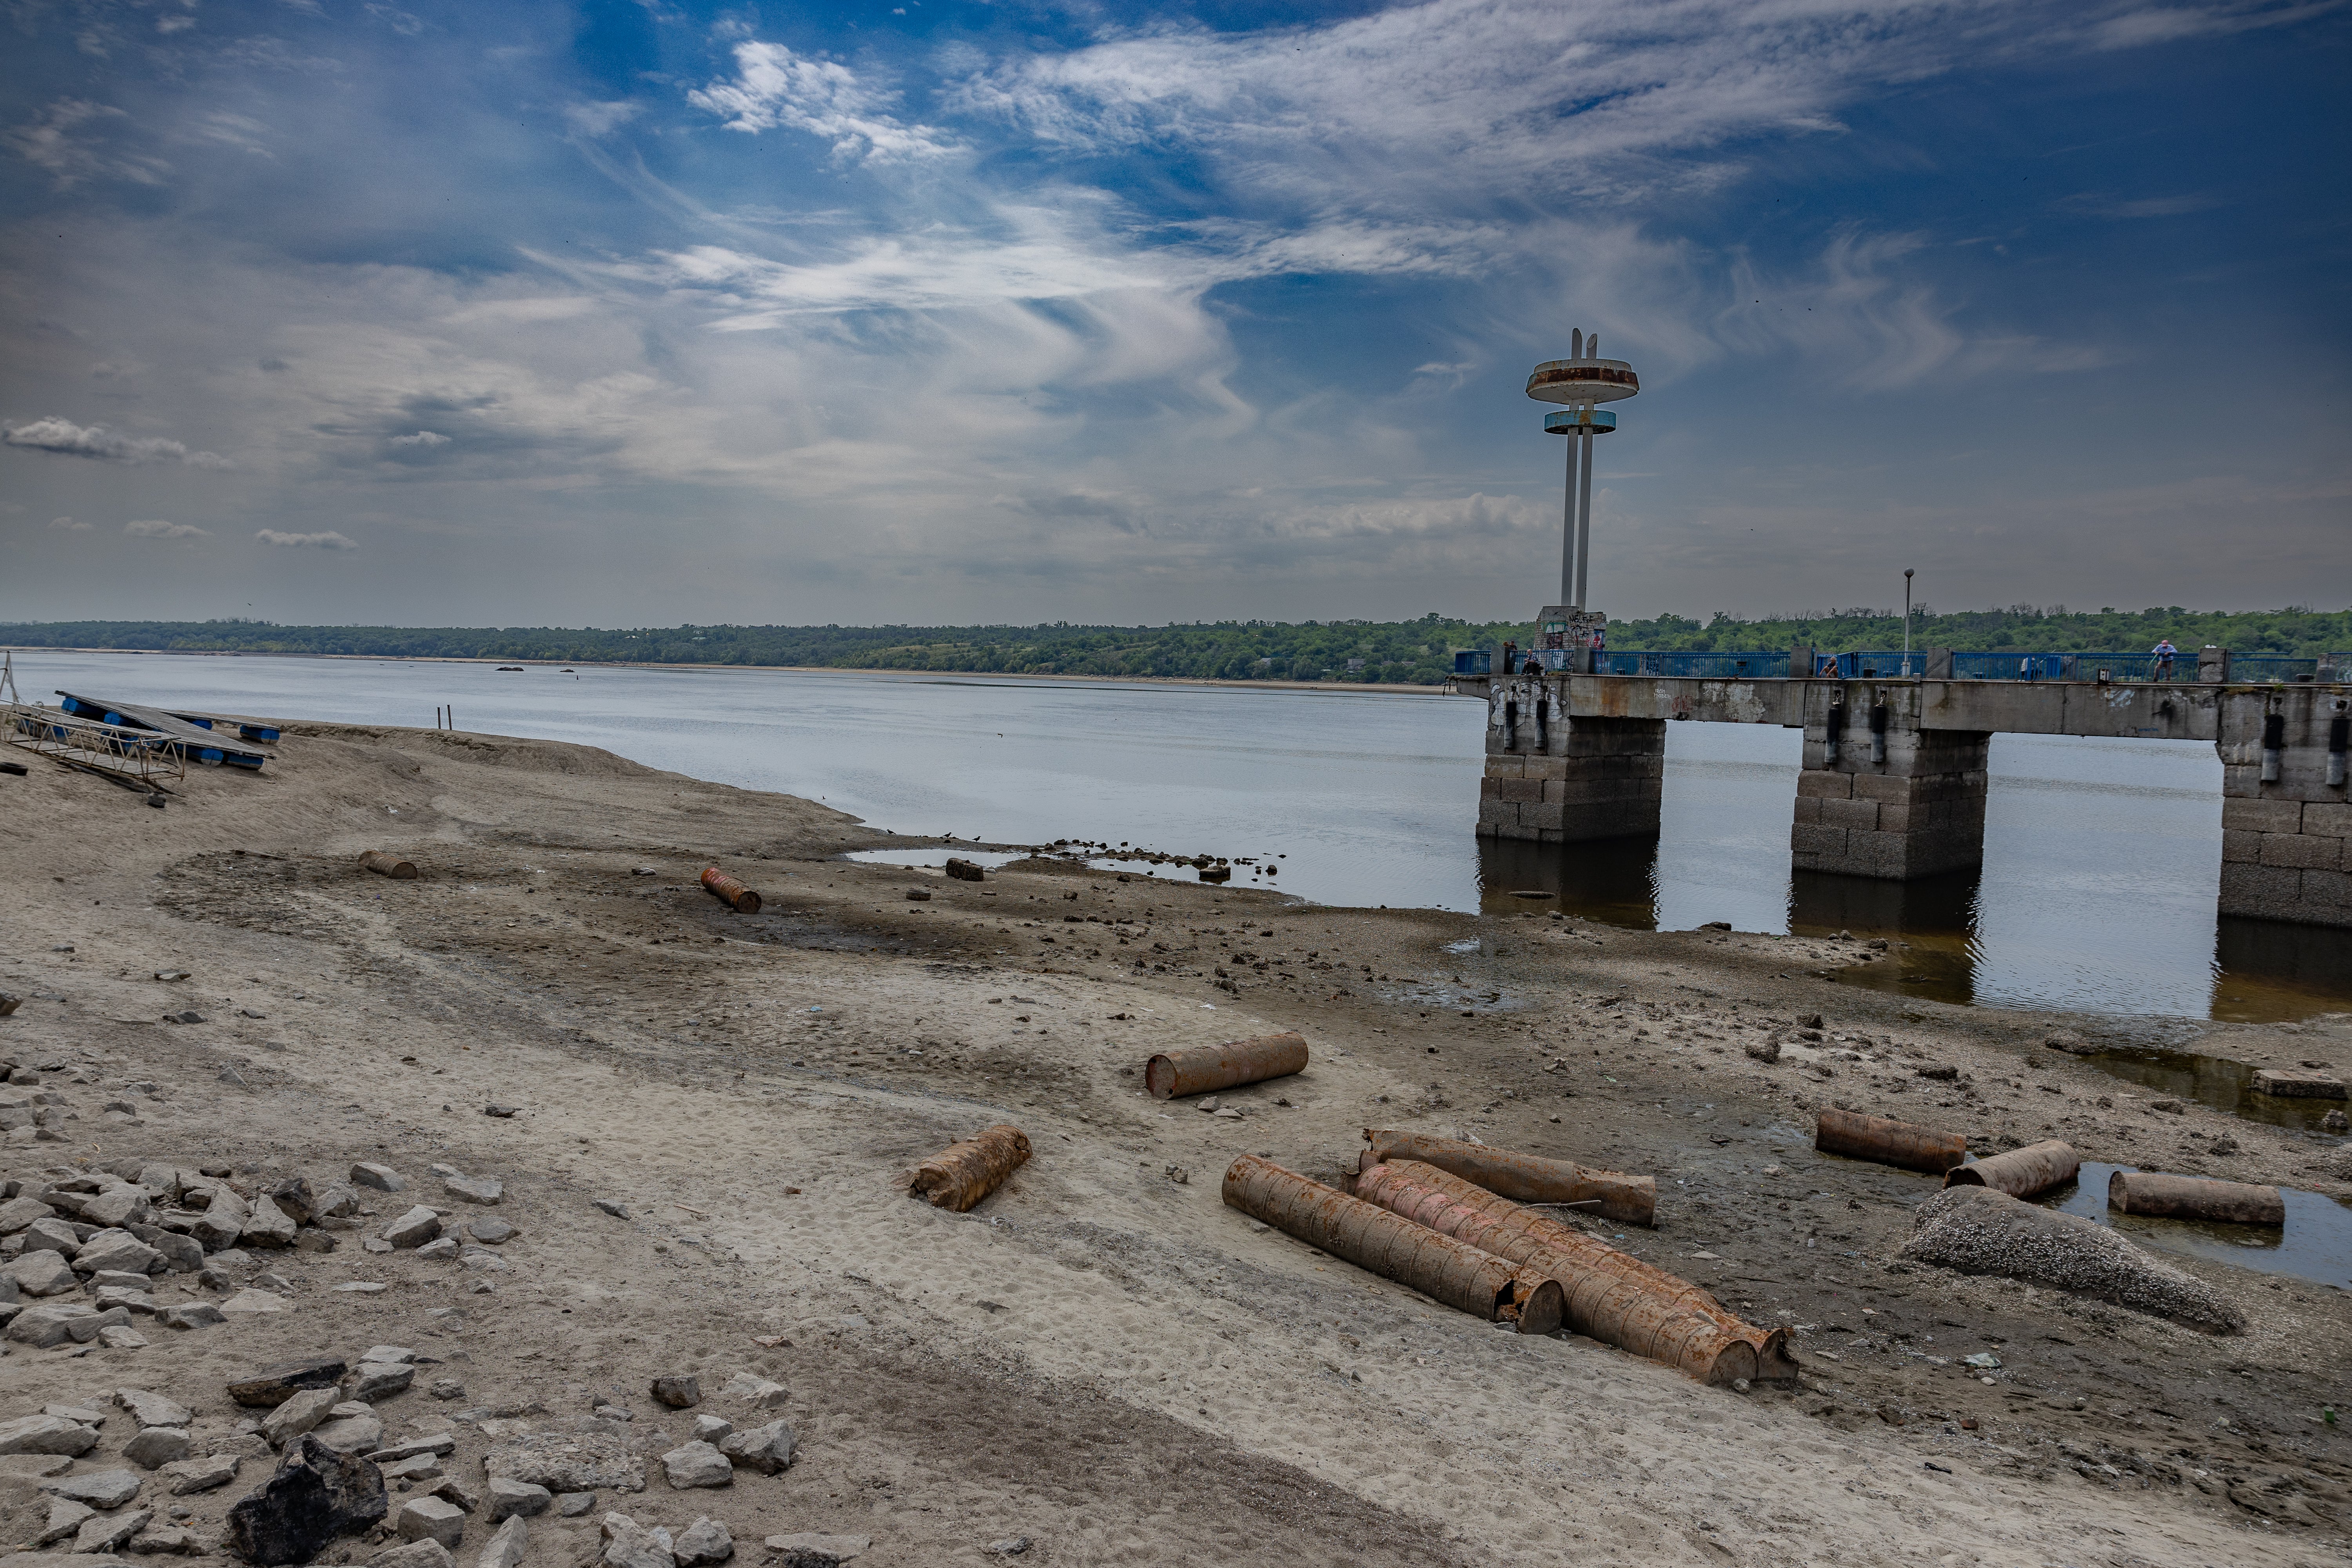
[
  {"x": 1557, "y": 778},
  {"x": 2286, "y": 829},
  {"x": 1881, "y": 797}
]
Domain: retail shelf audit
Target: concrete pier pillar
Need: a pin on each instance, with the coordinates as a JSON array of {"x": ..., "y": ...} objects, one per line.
[
  {"x": 1556, "y": 779},
  {"x": 1881, "y": 797},
  {"x": 2286, "y": 823}
]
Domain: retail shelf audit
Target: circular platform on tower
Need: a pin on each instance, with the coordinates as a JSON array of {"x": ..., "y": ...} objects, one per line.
[{"x": 1574, "y": 380}]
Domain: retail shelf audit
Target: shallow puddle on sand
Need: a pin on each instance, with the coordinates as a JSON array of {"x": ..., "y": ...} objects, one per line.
[
  {"x": 2315, "y": 1243},
  {"x": 2216, "y": 1081}
]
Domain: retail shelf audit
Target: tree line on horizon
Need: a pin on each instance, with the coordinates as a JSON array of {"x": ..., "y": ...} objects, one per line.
[{"x": 1415, "y": 652}]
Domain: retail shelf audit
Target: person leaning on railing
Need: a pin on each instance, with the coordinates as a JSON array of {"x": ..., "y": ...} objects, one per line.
[{"x": 2164, "y": 653}]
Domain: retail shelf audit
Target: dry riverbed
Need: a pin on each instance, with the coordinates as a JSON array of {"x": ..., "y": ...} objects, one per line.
[{"x": 710, "y": 1114}]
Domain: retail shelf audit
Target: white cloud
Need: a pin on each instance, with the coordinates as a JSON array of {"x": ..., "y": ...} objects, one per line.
[
  {"x": 424, "y": 439},
  {"x": 600, "y": 119},
  {"x": 66, "y": 140},
  {"x": 155, "y": 527},
  {"x": 326, "y": 541},
  {"x": 773, "y": 87},
  {"x": 102, "y": 444},
  {"x": 68, "y": 525}
]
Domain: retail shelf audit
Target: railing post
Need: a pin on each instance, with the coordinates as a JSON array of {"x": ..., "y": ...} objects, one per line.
[{"x": 2213, "y": 666}]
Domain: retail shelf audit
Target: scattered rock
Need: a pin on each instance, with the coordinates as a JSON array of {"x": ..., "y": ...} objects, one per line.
[
  {"x": 414, "y": 1468},
  {"x": 361, "y": 1433},
  {"x": 98, "y": 1489},
  {"x": 314, "y": 1496},
  {"x": 446, "y": 1388},
  {"x": 703, "y": 1542},
  {"x": 1767, "y": 1051},
  {"x": 42, "y": 1273},
  {"x": 1978, "y": 1230},
  {"x": 697, "y": 1463},
  {"x": 65, "y": 1519},
  {"x": 475, "y": 1189},
  {"x": 376, "y": 1379},
  {"x": 383, "y": 1178},
  {"x": 759, "y": 1391},
  {"x": 156, "y": 1447},
  {"x": 679, "y": 1391},
  {"x": 511, "y": 1499},
  {"x": 811, "y": 1551},
  {"x": 628, "y": 1544},
  {"x": 107, "y": 1534},
  {"x": 506, "y": 1545},
  {"x": 415, "y": 1228},
  {"x": 46, "y": 1434},
  {"x": 191, "y": 1315},
  {"x": 115, "y": 1337},
  {"x": 440, "y": 1249},
  {"x": 765, "y": 1448},
  {"x": 615, "y": 1207},
  {"x": 711, "y": 1428},
  {"x": 571, "y": 1505},
  {"x": 502, "y": 1112},
  {"x": 267, "y": 1225},
  {"x": 276, "y": 1383},
  {"x": 191, "y": 1476},
  {"x": 42, "y": 1327},
  {"x": 153, "y": 1409},
  {"x": 415, "y": 1554},
  {"x": 299, "y": 1413},
  {"x": 430, "y": 1518},
  {"x": 490, "y": 1230},
  {"x": 252, "y": 1302},
  {"x": 568, "y": 1462}
]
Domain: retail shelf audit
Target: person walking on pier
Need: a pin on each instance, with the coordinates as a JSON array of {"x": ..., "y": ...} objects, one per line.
[{"x": 2165, "y": 653}]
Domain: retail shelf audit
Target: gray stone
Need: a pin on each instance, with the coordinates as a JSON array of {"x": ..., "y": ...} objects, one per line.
[
  {"x": 765, "y": 1448},
  {"x": 490, "y": 1230},
  {"x": 156, "y": 1447},
  {"x": 383, "y": 1178},
  {"x": 762, "y": 1394},
  {"x": 117, "y": 1296},
  {"x": 703, "y": 1542},
  {"x": 416, "y": 1468},
  {"x": 615, "y": 1207},
  {"x": 116, "y": 1251},
  {"x": 568, "y": 1462},
  {"x": 192, "y": 1476},
  {"x": 118, "y": 1205},
  {"x": 710, "y": 1428},
  {"x": 102, "y": 1278},
  {"x": 509, "y": 1499},
  {"x": 294, "y": 1198},
  {"x": 506, "y": 1545},
  {"x": 692, "y": 1465},
  {"x": 115, "y": 1337},
  {"x": 426, "y": 1554},
  {"x": 449, "y": 1492},
  {"x": 81, "y": 1413},
  {"x": 299, "y": 1413},
  {"x": 485, "y": 1190},
  {"x": 108, "y": 1533},
  {"x": 250, "y": 1303},
  {"x": 334, "y": 1201},
  {"x": 446, "y": 1388},
  {"x": 274, "y": 1385},
  {"x": 376, "y": 1379},
  {"x": 415, "y": 1228},
  {"x": 482, "y": 1257},
  {"x": 813, "y": 1550},
  {"x": 42, "y": 1327},
  {"x": 387, "y": 1352},
  {"x": 42, "y": 1273},
  {"x": 182, "y": 1254},
  {"x": 352, "y": 1434},
  {"x": 430, "y": 1518},
  {"x": 153, "y": 1409},
  {"x": 679, "y": 1391},
  {"x": 165, "y": 1539},
  {"x": 571, "y": 1505},
  {"x": 19, "y": 1213},
  {"x": 267, "y": 1225},
  {"x": 441, "y": 1249},
  {"x": 65, "y": 1519},
  {"x": 56, "y": 1236},
  {"x": 628, "y": 1544},
  {"x": 439, "y": 1443},
  {"x": 100, "y": 1488},
  {"x": 191, "y": 1315}
]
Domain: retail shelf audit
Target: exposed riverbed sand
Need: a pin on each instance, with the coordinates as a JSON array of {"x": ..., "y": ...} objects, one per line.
[{"x": 1101, "y": 1357}]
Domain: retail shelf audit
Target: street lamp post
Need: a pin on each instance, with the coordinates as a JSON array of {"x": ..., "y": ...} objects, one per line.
[{"x": 1907, "y": 623}]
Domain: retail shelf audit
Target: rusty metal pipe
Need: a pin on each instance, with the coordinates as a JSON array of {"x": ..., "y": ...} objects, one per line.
[
  {"x": 1529, "y": 1178},
  {"x": 2021, "y": 1173},
  {"x": 730, "y": 892},
  {"x": 2194, "y": 1197},
  {"x": 1887, "y": 1142},
  {"x": 1373, "y": 1238},
  {"x": 1205, "y": 1068},
  {"x": 963, "y": 1173},
  {"x": 384, "y": 864},
  {"x": 1608, "y": 1295}
]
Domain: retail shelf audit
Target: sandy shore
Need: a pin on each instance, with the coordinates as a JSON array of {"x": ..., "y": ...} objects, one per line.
[{"x": 1102, "y": 1358}]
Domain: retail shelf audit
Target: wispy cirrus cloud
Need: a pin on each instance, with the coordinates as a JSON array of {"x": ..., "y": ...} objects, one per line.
[
  {"x": 774, "y": 88},
  {"x": 102, "y": 445},
  {"x": 157, "y": 527},
  {"x": 70, "y": 139},
  {"x": 327, "y": 539}
]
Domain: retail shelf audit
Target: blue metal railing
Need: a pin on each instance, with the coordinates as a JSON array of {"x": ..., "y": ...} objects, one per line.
[
  {"x": 2010, "y": 667},
  {"x": 1756, "y": 665},
  {"x": 2264, "y": 666},
  {"x": 1765, "y": 665}
]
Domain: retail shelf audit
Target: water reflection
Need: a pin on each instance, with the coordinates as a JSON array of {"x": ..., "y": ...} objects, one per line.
[{"x": 2217, "y": 1081}]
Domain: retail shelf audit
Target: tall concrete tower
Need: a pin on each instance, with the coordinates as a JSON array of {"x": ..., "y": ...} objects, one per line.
[{"x": 1581, "y": 381}]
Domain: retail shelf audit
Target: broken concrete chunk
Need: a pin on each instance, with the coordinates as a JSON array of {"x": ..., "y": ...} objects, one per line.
[
  {"x": 155, "y": 1447},
  {"x": 513, "y": 1499},
  {"x": 191, "y": 1476},
  {"x": 706, "y": 1541},
  {"x": 274, "y": 1385},
  {"x": 763, "y": 1448},
  {"x": 506, "y": 1546},
  {"x": 314, "y": 1496},
  {"x": 100, "y": 1488},
  {"x": 1978, "y": 1230},
  {"x": 383, "y": 1178},
  {"x": 430, "y": 1518}
]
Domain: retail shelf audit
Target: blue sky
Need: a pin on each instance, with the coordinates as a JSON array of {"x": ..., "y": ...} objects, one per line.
[{"x": 633, "y": 313}]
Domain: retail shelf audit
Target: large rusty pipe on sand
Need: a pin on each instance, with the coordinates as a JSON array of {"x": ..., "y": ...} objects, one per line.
[
  {"x": 730, "y": 892},
  {"x": 2194, "y": 1197},
  {"x": 1887, "y": 1142},
  {"x": 1529, "y": 1178},
  {"x": 963, "y": 1173},
  {"x": 1205, "y": 1068},
  {"x": 1370, "y": 1237},
  {"x": 2021, "y": 1173},
  {"x": 392, "y": 866},
  {"x": 1609, "y": 1296}
]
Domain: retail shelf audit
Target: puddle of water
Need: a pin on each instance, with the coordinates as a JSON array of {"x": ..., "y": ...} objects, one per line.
[
  {"x": 2316, "y": 1244},
  {"x": 937, "y": 857},
  {"x": 2216, "y": 1081}
]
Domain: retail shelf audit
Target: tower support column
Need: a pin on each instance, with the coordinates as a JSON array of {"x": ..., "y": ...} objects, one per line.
[
  {"x": 1555, "y": 778},
  {"x": 1880, "y": 796},
  {"x": 2286, "y": 811}
]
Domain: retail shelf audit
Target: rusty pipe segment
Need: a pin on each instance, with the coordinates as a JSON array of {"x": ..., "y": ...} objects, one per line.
[
  {"x": 730, "y": 892},
  {"x": 963, "y": 1173},
  {"x": 1889, "y": 1143},
  {"x": 1529, "y": 1178},
  {"x": 1373, "y": 1239},
  {"x": 2021, "y": 1173},
  {"x": 392, "y": 866},
  {"x": 1206, "y": 1068},
  {"x": 1609, "y": 1296},
  {"x": 2194, "y": 1197}
]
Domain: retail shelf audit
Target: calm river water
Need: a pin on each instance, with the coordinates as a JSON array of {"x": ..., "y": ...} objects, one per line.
[{"x": 2101, "y": 857}]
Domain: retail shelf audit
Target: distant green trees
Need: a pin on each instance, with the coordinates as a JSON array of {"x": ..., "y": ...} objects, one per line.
[{"x": 1418, "y": 652}]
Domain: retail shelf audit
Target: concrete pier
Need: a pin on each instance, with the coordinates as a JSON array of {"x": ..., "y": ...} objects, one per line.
[{"x": 1582, "y": 757}]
